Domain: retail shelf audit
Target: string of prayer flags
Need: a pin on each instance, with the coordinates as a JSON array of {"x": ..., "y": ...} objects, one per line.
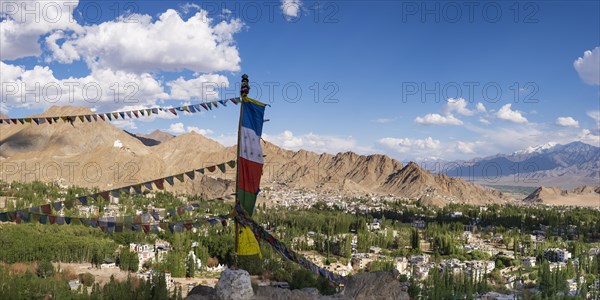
[
  {"x": 279, "y": 247},
  {"x": 131, "y": 114},
  {"x": 110, "y": 224},
  {"x": 158, "y": 184}
]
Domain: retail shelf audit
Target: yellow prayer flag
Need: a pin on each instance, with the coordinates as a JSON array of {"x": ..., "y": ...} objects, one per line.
[{"x": 247, "y": 243}]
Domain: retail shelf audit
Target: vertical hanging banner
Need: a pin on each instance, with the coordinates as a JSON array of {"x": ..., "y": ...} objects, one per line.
[
  {"x": 250, "y": 165},
  {"x": 251, "y": 159}
]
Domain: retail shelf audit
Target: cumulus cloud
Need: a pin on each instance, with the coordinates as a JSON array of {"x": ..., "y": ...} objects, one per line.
[
  {"x": 458, "y": 105},
  {"x": 291, "y": 8},
  {"x": 20, "y": 31},
  {"x": 437, "y": 119},
  {"x": 507, "y": 114},
  {"x": 9, "y": 73},
  {"x": 312, "y": 142},
  {"x": 405, "y": 145},
  {"x": 587, "y": 136},
  {"x": 203, "y": 87},
  {"x": 179, "y": 128},
  {"x": 201, "y": 131},
  {"x": 166, "y": 44},
  {"x": 127, "y": 124},
  {"x": 480, "y": 107},
  {"x": 484, "y": 121},
  {"x": 567, "y": 122},
  {"x": 65, "y": 54},
  {"x": 588, "y": 66},
  {"x": 103, "y": 89},
  {"x": 176, "y": 128}
]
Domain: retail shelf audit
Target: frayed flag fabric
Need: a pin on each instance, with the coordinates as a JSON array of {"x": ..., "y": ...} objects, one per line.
[{"x": 250, "y": 161}]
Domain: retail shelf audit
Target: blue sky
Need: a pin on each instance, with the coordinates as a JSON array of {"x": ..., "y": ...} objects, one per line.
[{"x": 415, "y": 80}]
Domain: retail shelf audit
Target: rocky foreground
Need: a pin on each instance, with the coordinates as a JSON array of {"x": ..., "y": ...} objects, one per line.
[{"x": 236, "y": 285}]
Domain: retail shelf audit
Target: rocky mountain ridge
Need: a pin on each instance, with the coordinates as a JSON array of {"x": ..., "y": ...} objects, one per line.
[
  {"x": 580, "y": 196},
  {"x": 551, "y": 164},
  {"x": 99, "y": 154}
]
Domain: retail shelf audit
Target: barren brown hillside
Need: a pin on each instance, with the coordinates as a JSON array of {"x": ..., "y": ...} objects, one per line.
[
  {"x": 98, "y": 154},
  {"x": 580, "y": 196}
]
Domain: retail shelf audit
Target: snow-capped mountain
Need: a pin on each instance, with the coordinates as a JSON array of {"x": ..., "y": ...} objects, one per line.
[
  {"x": 565, "y": 166},
  {"x": 537, "y": 149}
]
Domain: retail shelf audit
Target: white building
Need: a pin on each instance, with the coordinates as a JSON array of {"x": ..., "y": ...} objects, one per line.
[
  {"x": 557, "y": 255},
  {"x": 144, "y": 252},
  {"x": 402, "y": 266},
  {"x": 528, "y": 261}
]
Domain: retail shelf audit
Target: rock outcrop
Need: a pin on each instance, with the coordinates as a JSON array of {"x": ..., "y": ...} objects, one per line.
[
  {"x": 580, "y": 196},
  {"x": 234, "y": 285},
  {"x": 379, "y": 285},
  {"x": 273, "y": 293}
]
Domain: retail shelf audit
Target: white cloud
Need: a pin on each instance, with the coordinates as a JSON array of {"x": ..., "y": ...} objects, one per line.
[
  {"x": 179, "y": 128},
  {"x": 3, "y": 109},
  {"x": 228, "y": 139},
  {"x": 201, "y": 131},
  {"x": 20, "y": 31},
  {"x": 406, "y": 145},
  {"x": 168, "y": 44},
  {"x": 176, "y": 128},
  {"x": 430, "y": 148},
  {"x": 567, "y": 122},
  {"x": 480, "y": 107},
  {"x": 589, "y": 137},
  {"x": 594, "y": 114},
  {"x": 9, "y": 73},
  {"x": 103, "y": 89},
  {"x": 291, "y": 8},
  {"x": 507, "y": 114},
  {"x": 312, "y": 142},
  {"x": 203, "y": 87},
  {"x": 484, "y": 121},
  {"x": 459, "y": 106},
  {"x": 383, "y": 120},
  {"x": 588, "y": 66},
  {"x": 465, "y": 147},
  {"x": 65, "y": 54},
  {"x": 128, "y": 124},
  {"x": 189, "y": 7},
  {"x": 437, "y": 119}
]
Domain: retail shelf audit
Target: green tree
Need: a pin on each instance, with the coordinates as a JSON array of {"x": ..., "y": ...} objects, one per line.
[
  {"x": 45, "y": 269},
  {"x": 191, "y": 266},
  {"x": 415, "y": 240}
]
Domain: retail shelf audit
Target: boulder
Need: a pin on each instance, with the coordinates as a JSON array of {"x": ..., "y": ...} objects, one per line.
[
  {"x": 373, "y": 285},
  {"x": 234, "y": 285},
  {"x": 202, "y": 292},
  {"x": 274, "y": 293}
]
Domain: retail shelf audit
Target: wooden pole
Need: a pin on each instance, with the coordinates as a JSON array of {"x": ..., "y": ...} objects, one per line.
[{"x": 244, "y": 90}]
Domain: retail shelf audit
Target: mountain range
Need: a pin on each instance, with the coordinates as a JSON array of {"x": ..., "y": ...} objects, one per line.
[
  {"x": 565, "y": 166},
  {"x": 101, "y": 155},
  {"x": 580, "y": 196}
]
